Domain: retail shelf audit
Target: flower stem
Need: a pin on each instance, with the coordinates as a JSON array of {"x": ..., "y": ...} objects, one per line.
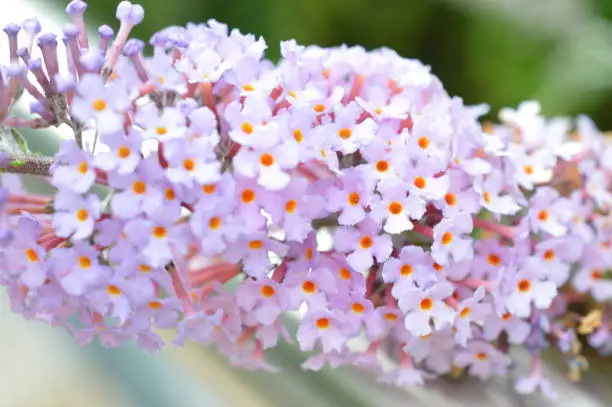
[
  {"x": 502, "y": 230},
  {"x": 22, "y": 164}
]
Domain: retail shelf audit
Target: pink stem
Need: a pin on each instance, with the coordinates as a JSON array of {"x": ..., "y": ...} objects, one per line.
[
  {"x": 280, "y": 272},
  {"x": 475, "y": 283},
  {"x": 502, "y": 230},
  {"x": 180, "y": 290},
  {"x": 423, "y": 230}
]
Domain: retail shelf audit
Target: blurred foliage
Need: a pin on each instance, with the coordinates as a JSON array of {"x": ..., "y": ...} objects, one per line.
[{"x": 496, "y": 51}]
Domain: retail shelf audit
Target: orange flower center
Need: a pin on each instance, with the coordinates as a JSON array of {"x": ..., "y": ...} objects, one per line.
[
  {"x": 506, "y": 316},
  {"x": 139, "y": 187},
  {"x": 298, "y": 136},
  {"x": 366, "y": 242},
  {"x": 420, "y": 182},
  {"x": 406, "y": 270},
  {"x": 247, "y": 196},
  {"x": 255, "y": 244},
  {"x": 161, "y": 131},
  {"x": 247, "y": 127},
  {"x": 309, "y": 287},
  {"x": 82, "y": 215},
  {"x": 322, "y": 323},
  {"x": 493, "y": 259},
  {"x": 155, "y": 305},
  {"x": 170, "y": 195},
  {"x": 423, "y": 142},
  {"x": 391, "y": 317},
  {"x": 524, "y": 285},
  {"x": 319, "y": 108},
  {"x": 528, "y": 169},
  {"x": 266, "y": 160},
  {"x": 358, "y": 308},
  {"x": 291, "y": 206},
  {"x": 83, "y": 167},
  {"x": 395, "y": 208},
  {"x": 31, "y": 255},
  {"x": 267, "y": 291},
  {"x": 144, "y": 268},
  {"x": 159, "y": 232},
  {"x": 482, "y": 356},
  {"x": 345, "y": 273},
  {"x": 123, "y": 152},
  {"x": 345, "y": 133},
  {"x": 487, "y": 197},
  {"x": 451, "y": 199},
  {"x": 438, "y": 267},
  {"x": 188, "y": 164},
  {"x": 214, "y": 223},
  {"x": 382, "y": 166},
  {"x": 549, "y": 255},
  {"x": 99, "y": 105},
  {"x": 113, "y": 290},
  {"x": 426, "y": 304},
  {"x": 543, "y": 215},
  {"x": 597, "y": 274},
  {"x": 447, "y": 238},
  {"x": 353, "y": 198},
  {"x": 465, "y": 312},
  {"x": 209, "y": 188},
  {"x": 84, "y": 262},
  {"x": 309, "y": 253}
]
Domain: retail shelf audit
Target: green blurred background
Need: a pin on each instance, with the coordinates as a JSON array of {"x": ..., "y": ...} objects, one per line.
[{"x": 496, "y": 51}]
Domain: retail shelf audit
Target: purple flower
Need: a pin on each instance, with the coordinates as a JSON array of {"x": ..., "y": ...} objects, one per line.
[
  {"x": 516, "y": 328},
  {"x": 449, "y": 240},
  {"x": 347, "y": 135},
  {"x": 461, "y": 196},
  {"x": 76, "y": 215},
  {"x": 199, "y": 327},
  {"x": 548, "y": 212},
  {"x": 216, "y": 226},
  {"x": 294, "y": 209},
  {"x": 425, "y": 305},
  {"x": 324, "y": 327},
  {"x": 530, "y": 286},
  {"x": 263, "y": 301},
  {"x": 78, "y": 175},
  {"x": 556, "y": 256},
  {"x": 483, "y": 359},
  {"x": 24, "y": 257},
  {"x": 352, "y": 197},
  {"x": 167, "y": 125},
  {"x": 313, "y": 287},
  {"x": 253, "y": 251},
  {"x": 424, "y": 181},
  {"x": 103, "y": 103},
  {"x": 129, "y": 13},
  {"x": 268, "y": 165},
  {"x": 413, "y": 265},
  {"x": 157, "y": 236},
  {"x": 492, "y": 196},
  {"x": 364, "y": 244},
  {"x": 396, "y": 206},
  {"x": 470, "y": 310},
  {"x": 78, "y": 268},
  {"x": 124, "y": 155},
  {"x": 191, "y": 162}
]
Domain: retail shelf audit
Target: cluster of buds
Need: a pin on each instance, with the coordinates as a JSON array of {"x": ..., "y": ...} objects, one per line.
[{"x": 341, "y": 187}]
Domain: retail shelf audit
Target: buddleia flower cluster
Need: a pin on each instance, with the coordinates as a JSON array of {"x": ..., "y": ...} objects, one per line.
[{"x": 339, "y": 198}]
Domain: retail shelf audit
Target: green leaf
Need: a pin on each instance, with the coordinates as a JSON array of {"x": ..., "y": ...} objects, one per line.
[
  {"x": 20, "y": 162},
  {"x": 21, "y": 142}
]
